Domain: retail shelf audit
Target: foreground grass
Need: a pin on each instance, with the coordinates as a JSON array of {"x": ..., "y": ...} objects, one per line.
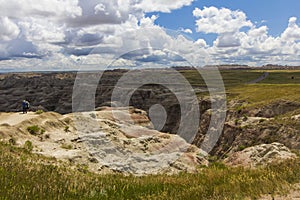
[{"x": 22, "y": 176}]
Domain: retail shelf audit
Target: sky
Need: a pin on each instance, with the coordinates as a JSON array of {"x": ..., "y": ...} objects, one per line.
[{"x": 38, "y": 35}]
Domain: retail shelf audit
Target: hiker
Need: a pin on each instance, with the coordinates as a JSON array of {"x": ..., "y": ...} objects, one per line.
[{"x": 25, "y": 106}]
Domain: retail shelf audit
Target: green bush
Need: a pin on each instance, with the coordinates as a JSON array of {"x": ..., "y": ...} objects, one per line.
[
  {"x": 42, "y": 131},
  {"x": 28, "y": 146},
  {"x": 66, "y": 129},
  {"x": 66, "y": 146},
  {"x": 33, "y": 130},
  {"x": 39, "y": 112},
  {"x": 240, "y": 108},
  {"x": 245, "y": 118},
  {"x": 241, "y": 147},
  {"x": 212, "y": 158}
]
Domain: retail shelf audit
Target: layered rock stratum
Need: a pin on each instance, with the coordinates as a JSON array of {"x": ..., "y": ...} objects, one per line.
[
  {"x": 277, "y": 121},
  {"x": 103, "y": 144},
  {"x": 260, "y": 155}
]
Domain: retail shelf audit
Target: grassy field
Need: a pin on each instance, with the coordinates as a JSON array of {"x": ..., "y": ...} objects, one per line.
[
  {"x": 278, "y": 85},
  {"x": 261, "y": 94},
  {"x": 23, "y": 176},
  {"x": 233, "y": 78}
]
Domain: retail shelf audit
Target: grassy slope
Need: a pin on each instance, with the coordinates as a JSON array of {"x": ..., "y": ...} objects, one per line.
[
  {"x": 278, "y": 85},
  {"x": 261, "y": 94},
  {"x": 21, "y": 177}
]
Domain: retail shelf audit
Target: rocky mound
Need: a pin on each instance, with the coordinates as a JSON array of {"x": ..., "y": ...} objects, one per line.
[
  {"x": 103, "y": 144},
  {"x": 275, "y": 108},
  {"x": 260, "y": 155}
]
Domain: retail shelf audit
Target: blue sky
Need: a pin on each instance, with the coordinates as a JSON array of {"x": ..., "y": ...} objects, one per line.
[
  {"x": 60, "y": 35},
  {"x": 273, "y": 13}
]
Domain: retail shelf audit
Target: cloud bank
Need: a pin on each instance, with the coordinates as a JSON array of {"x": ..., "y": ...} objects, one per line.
[{"x": 59, "y": 35}]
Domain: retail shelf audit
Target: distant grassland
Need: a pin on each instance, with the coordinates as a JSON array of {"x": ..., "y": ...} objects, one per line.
[
  {"x": 279, "y": 84},
  {"x": 232, "y": 78},
  {"x": 277, "y": 70},
  {"x": 262, "y": 94},
  {"x": 22, "y": 176}
]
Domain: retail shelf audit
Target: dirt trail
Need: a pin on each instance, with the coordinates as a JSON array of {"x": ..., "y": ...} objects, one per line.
[
  {"x": 15, "y": 118},
  {"x": 262, "y": 77}
]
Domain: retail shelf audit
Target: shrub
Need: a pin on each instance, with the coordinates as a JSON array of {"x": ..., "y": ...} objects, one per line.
[
  {"x": 261, "y": 120},
  {"x": 239, "y": 109},
  {"x": 67, "y": 120},
  {"x": 12, "y": 141},
  {"x": 39, "y": 112},
  {"x": 241, "y": 147},
  {"x": 28, "y": 146},
  {"x": 217, "y": 165},
  {"x": 47, "y": 136},
  {"x": 66, "y": 129},
  {"x": 66, "y": 146},
  {"x": 42, "y": 131},
  {"x": 33, "y": 130},
  {"x": 245, "y": 118},
  {"x": 212, "y": 158},
  {"x": 236, "y": 122}
]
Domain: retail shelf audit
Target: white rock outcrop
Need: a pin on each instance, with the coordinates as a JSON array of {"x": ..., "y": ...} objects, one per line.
[
  {"x": 108, "y": 140},
  {"x": 260, "y": 155}
]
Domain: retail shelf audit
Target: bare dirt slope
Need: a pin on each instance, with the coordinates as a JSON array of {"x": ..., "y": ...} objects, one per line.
[{"x": 16, "y": 117}]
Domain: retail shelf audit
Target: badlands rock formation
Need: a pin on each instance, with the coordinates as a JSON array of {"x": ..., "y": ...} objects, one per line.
[
  {"x": 260, "y": 155},
  {"x": 96, "y": 139},
  {"x": 245, "y": 126}
]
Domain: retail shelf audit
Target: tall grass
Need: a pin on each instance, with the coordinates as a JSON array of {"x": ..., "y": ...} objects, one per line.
[{"x": 28, "y": 176}]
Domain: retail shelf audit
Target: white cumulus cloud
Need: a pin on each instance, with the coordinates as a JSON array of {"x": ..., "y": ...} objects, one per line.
[
  {"x": 161, "y": 5},
  {"x": 40, "y": 8},
  {"x": 292, "y": 32},
  {"x": 223, "y": 20},
  {"x": 8, "y": 29}
]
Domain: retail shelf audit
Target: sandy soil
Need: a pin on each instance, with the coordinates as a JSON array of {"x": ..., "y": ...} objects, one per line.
[{"x": 15, "y": 118}]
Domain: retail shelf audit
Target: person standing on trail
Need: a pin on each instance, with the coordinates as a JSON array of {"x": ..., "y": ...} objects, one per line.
[{"x": 25, "y": 106}]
